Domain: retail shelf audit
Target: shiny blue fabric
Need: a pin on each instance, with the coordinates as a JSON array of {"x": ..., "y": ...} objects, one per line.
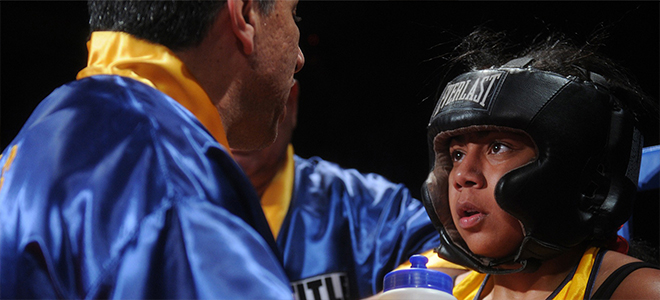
[
  {"x": 342, "y": 221},
  {"x": 119, "y": 192},
  {"x": 649, "y": 170},
  {"x": 649, "y": 178}
]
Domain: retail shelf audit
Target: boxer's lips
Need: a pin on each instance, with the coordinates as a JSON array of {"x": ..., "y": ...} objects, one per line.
[{"x": 469, "y": 216}]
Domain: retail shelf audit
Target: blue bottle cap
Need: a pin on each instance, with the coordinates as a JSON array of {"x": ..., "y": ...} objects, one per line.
[{"x": 418, "y": 276}]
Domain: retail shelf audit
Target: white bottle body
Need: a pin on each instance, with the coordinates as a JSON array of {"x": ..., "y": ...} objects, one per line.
[{"x": 415, "y": 293}]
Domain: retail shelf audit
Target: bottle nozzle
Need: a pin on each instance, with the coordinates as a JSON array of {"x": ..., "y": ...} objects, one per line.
[{"x": 418, "y": 261}]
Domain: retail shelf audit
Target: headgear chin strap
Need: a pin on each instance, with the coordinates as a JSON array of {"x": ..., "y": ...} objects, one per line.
[{"x": 580, "y": 187}]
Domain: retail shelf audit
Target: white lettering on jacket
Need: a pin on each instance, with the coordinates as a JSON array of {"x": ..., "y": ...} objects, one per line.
[{"x": 333, "y": 286}]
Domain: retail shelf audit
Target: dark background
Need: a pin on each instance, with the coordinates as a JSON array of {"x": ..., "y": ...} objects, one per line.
[{"x": 370, "y": 67}]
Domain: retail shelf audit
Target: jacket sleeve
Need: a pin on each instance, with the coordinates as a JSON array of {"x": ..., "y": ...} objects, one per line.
[
  {"x": 393, "y": 224},
  {"x": 198, "y": 250}
]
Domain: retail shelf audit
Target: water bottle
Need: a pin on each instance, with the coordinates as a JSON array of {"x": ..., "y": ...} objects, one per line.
[{"x": 418, "y": 282}]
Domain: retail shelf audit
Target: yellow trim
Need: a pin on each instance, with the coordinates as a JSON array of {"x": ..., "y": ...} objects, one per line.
[
  {"x": 119, "y": 53},
  {"x": 434, "y": 262},
  {"x": 7, "y": 165},
  {"x": 277, "y": 197}
]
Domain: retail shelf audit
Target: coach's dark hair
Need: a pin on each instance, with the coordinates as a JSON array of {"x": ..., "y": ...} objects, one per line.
[
  {"x": 175, "y": 24},
  {"x": 554, "y": 52}
]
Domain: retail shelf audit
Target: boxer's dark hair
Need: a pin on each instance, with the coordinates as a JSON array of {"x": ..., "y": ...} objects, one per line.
[{"x": 485, "y": 48}]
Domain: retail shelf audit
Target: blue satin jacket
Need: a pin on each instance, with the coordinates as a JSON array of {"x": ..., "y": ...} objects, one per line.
[
  {"x": 345, "y": 230},
  {"x": 114, "y": 190}
]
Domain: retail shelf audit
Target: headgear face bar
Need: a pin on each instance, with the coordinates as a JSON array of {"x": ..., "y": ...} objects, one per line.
[{"x": 581, "y": 185}]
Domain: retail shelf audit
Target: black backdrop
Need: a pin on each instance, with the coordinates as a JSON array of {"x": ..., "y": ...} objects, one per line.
[{"x": 369, "y": 66}]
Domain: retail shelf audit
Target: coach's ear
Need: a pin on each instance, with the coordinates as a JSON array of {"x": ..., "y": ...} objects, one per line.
[{"x": 243, "y": 18}]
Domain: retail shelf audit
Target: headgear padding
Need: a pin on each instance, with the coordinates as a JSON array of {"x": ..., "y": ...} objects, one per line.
[{"x": 581, "y": 185}]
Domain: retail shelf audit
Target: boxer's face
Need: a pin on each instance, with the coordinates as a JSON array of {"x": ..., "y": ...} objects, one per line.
[{"x": 479, "y": 160}]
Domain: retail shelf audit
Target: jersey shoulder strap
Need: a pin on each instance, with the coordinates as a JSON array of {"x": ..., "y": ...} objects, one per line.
[{"x": 610, "y": 284}]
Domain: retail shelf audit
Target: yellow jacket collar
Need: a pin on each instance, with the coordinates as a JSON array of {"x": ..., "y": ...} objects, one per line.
[
  {"x": 277, "y": 197},
  {"x": 119, "y": 53}
]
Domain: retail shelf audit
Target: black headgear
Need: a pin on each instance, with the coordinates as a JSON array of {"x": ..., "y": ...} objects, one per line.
[{"x": 581, "y": 185}]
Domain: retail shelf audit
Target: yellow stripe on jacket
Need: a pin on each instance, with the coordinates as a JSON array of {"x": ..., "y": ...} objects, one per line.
[{"x": 277, "y": 197}]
